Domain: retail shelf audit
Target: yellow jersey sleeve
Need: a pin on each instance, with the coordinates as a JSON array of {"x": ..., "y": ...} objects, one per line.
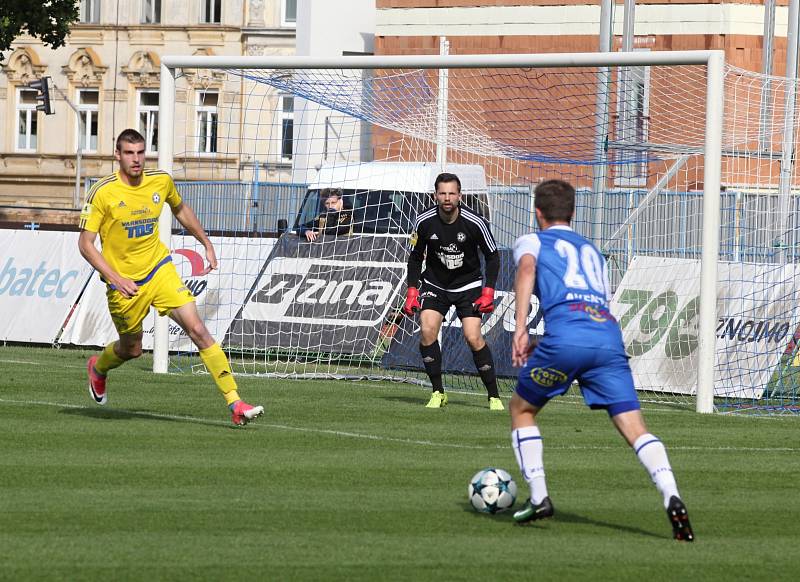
[
  {"x": 173, "y": 197},
  {"x": 94, "y": 210},
  {"x": 91, "y": 217}
]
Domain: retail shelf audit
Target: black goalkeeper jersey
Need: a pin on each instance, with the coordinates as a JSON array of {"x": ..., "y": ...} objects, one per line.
[{"x": 450, "y": 251}]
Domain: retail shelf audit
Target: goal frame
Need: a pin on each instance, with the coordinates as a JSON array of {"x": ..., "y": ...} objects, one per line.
[{"x": 713, "y": 60}]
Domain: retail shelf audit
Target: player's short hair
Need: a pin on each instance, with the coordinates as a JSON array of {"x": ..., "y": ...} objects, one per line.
[
  {"x": 555, "y": 199},
  {"x": 130, "y": 136},
  {"x": 446, "y": 177},
  {"x": 328, "y": 192}
]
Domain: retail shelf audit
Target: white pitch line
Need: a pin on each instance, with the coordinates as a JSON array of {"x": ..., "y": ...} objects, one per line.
[
  {"x": 372, "y": 437},
  {"x": 24, "y": 363},
  {"x": 651, "y": 408},
  {"x": 648, "y": 408},
  {"x": 258, "y": 425}
]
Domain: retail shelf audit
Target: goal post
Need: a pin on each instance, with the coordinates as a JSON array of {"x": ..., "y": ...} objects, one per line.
[
  {"x": 511, "y": 199},
  {"x": 166, "y": 112},
  {"x": 711, "y": 219}
]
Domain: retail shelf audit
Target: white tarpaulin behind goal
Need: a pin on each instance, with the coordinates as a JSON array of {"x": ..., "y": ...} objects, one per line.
[
  {"x": 41, "y": 275},
  {"x": 219, "y": 294},
  {"x": 656, "y": 305}
]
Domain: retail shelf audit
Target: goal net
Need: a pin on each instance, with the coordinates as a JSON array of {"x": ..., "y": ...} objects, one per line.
[{"x": 270, "y": 142}]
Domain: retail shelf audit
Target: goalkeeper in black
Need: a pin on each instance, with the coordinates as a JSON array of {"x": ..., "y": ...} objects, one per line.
[{"x": 446, "y": 238}]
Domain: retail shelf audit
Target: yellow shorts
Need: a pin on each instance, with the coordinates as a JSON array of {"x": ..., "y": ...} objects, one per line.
[{"x": 165, "y": 291}]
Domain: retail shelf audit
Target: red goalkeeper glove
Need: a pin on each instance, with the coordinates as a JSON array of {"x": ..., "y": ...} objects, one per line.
[
  {"x": 485, "y": 303},
  {"x": 412, "y": 302}
]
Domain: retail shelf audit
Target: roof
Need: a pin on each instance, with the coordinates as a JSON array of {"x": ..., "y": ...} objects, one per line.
[{"x": 396, "y": 176}]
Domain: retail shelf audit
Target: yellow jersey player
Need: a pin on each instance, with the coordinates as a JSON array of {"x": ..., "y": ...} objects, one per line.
[{"x": 123, "y": 209}]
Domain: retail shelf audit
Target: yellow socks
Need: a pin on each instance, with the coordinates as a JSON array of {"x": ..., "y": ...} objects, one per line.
[
  {"x": 217, "y": 364},
  {"x": 108, "y": 360}
]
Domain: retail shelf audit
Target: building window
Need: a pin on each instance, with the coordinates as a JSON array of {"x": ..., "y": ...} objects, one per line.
[
  {"x": 211, "y": 11},
  {"x": 207, "y": 122},
  {"x": 151, "y": 11},
  {"x": 147, "y": 112},
  {"x": 88, "y": 109},
  {"x": 27, "y": 130},
  {"x": 286, "y": 104},
  {"x": 288, "y": 12},
  {"x": 90, "y": 11}
]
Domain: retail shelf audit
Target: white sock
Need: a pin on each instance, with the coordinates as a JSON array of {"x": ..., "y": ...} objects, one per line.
[
  {"x": 653, "y": 456},
  {"x": 528, "y": 447}
]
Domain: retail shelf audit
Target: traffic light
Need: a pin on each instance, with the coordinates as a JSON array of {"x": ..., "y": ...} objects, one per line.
[{"x": 43, "y": 94}]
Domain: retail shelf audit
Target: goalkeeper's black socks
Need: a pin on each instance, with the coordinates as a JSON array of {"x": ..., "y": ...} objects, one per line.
[
  {"x": 484, "y": 362},
  {"x": 432, "y": 358}
]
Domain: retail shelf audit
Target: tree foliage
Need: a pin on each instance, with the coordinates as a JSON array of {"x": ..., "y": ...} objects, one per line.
[{"x": 48, "y": 20}]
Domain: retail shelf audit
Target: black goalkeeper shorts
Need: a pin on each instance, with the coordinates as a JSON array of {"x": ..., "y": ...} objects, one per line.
[{"x": 431, "y": 297}]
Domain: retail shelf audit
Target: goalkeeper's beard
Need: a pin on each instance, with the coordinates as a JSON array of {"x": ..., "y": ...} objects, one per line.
[{"x": 449, "y": 213}]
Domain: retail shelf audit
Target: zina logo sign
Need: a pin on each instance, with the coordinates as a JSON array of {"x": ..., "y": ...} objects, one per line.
[
  {"x": 325, "y": 292},
  {"x": 18, "y": 281}
]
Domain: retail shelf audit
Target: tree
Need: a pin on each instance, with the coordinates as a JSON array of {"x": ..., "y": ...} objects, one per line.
[{"x": 48, "y": 20}]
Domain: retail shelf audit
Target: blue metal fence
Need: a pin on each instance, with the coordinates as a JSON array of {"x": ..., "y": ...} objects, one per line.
[
  {"x": 252, "y": 207},
  {"x": 671, "y": 227}
]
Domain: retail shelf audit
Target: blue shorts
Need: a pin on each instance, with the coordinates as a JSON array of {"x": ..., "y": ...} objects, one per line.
[{"x": 604, "y": 376}]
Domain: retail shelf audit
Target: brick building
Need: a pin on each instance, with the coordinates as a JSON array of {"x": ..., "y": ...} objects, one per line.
[{"x": 414, "y": 27}]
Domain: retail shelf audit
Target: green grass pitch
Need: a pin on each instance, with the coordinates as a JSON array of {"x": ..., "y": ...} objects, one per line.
[{"x": 358, "y": 481}]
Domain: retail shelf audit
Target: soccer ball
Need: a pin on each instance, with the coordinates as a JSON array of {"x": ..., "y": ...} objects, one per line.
[{"x": 492, "y": 491}]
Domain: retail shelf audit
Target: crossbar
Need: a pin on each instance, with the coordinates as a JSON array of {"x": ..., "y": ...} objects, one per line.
[{"x": 443, "y": 61}]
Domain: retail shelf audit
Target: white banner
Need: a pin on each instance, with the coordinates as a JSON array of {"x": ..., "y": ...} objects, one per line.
[
  {"x": 41, "y": 275},
  {"x": 657, "y": 307},
  {"x": 219, "y": 295}
]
